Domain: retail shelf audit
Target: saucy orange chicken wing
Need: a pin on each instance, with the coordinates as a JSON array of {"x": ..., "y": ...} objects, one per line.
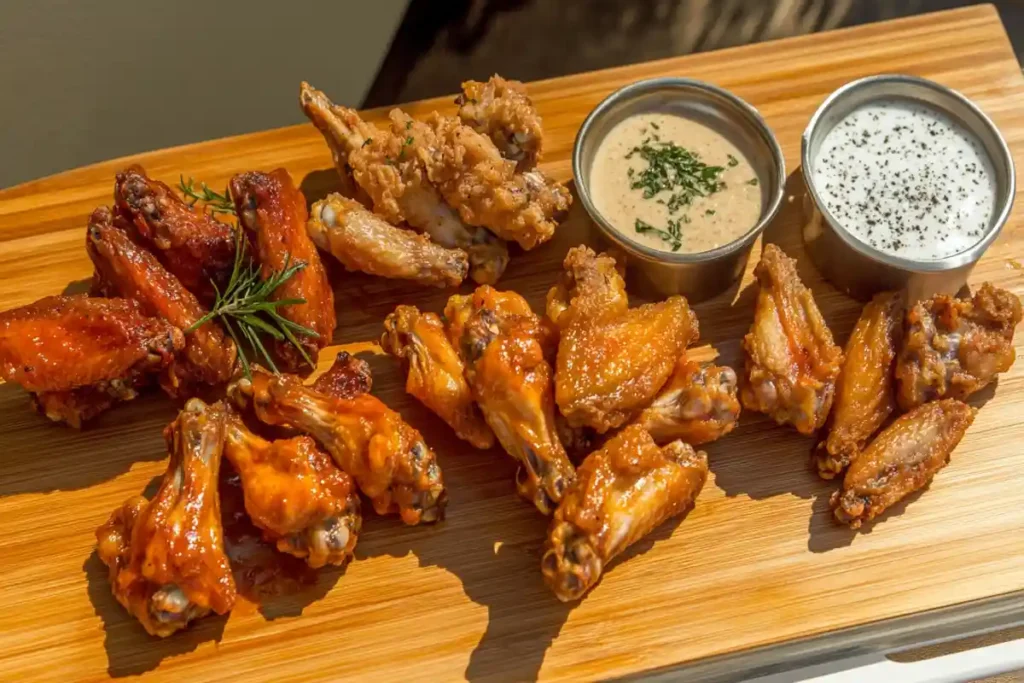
[
  {"x": 792, "y": 363},
  {"x": 501, "y": 110},
  {"x": 270, "y": 206},
  {"x": 388, "y": 459},
  {"x": 954, "y": 347},
  {"x": 697, "y": 406},
  {"x": 901, "y": 460},
  {"x": 435, "y": 372},
  {"x": 865, "y": 390},
  {"x": 209, "y": 355},
  {"x": 191, "y": 244},
  {"x": 347, "y": 377},
  {"x": 622, "y": 492},
  {"x": 166, "y": 556},
  {"x": 295, "y": 494}
]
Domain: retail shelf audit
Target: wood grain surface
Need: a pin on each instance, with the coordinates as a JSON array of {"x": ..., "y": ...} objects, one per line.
[{"x": 757, "y": 562}]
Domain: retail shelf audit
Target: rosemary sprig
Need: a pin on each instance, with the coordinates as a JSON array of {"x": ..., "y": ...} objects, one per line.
[
  {"x": 214, "y": 201},
  {"x": 246, "y": 310}
]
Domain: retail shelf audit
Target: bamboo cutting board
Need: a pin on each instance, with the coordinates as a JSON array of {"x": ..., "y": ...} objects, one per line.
[{"x": 757, "y": 562}]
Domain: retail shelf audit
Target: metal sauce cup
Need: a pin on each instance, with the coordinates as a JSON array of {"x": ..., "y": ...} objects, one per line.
[
  {"x": 856, "y": 267},
  {"x": 704, "y": 274}
]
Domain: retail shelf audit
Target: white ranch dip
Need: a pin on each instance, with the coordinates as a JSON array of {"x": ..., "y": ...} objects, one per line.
[{"x": 906, "y": 179}]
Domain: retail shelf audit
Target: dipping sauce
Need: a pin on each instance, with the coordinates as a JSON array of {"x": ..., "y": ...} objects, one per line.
[
  {"x": 906, "y": 179},
  {"x": 674, "y": 184}
]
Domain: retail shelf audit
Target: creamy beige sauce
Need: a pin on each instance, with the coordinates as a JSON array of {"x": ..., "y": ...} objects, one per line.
[{"x": 708, "y": 221}]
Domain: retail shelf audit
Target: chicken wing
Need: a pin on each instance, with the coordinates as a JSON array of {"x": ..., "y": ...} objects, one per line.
[
  {"x": 501, "y": 110},
  {"x": 622, "y": 492},
  {"x": 901, "y": 460},
  {"x": 195, "y": 247},
  {"x": 791, "y": 361},
  {"x": 388, "y": 458},
  {"x": 435, "y": 372},
  {"x": 82, "y": 355},
  {"x": 295, "y": 494},
  {"x": 395, "y": 181},
  {"x": 511, "y": 382},
  {"x": 209, "y": 355},
  {"x": 347, "y": 377},
  {"x": 473, "y": 177},
  {"x": 270, "y": 206},
  {"x": 697, "y": 406},
  {"x": 363, "y": 241},
  {"x": 612, "y": 360},
  {"x": 954, "y": 347},
  {"x": 166, "y": 556},
  {"x": 343, "y": 130},
  {"x": 865, "y": 391}
]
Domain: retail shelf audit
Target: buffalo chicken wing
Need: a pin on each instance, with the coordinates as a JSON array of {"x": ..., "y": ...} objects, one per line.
[
  {"x": 501, "y": 110},
  {"x": 622, "y": 492},
  {"x": 697, "y": 406}
]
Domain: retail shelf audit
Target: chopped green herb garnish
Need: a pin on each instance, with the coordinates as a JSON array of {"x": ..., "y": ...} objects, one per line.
[
  {"x": 671, "y": 168},
  {"x": 367, "y": 141},
  {"x": 655, "y": 126},
  {"x": 733, "y": 161},
  {"x": 408, "y": 124},
  {"x": 752, "y": 181},
  {"x": 709, "y": 212},
  {"x": 673, "y": 235}
]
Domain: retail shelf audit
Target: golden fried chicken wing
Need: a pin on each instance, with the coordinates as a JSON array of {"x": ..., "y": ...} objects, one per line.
[
  {"x": 166, "y": 556},
  {"x": 270, "y": 206},
  {"x": 865, "y": 390},
  {"x": 501, "y": 110},
  {"x": 295, "y": 494},
  {"x": 395, "y": 182},
  {"x": 387, "y": 457},
  {"x": 901, "y": 460},
  {"x": 612, "y": 360},
  {"x": 622, "y": 492},
  {"x": 792, "y": 363},
  {"x": 697, "y": 406},
  {"x": 209, "y": 355},
  {"x": 503, "y": 347},
  {"x": 190, "y": 243},
  {"x": 343, "y": 130},
  {"x": 363, "y": 241},
  {"x": 435, "y": 372},
  {"x": 954, "y": 347},
  {"x": 82, "y": 355}
]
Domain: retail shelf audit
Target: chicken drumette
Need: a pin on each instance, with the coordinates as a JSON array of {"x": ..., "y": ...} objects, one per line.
[
  {"x": 270, "y": 206},
  {"x": 503, "y": 344},
  {"x": 865, "y": 393},
  {"x": 622, "y": 492},
  {"x": 209, "y": 355},
  {"x": 792, "y": 363},
  {"x": 363, "y": 241},
  {"x": 81, "y": 355},
  {"x": 295, "y": 494},
  {"x": 166, "y": 556},
  {"x": 192, "y": 245},
  {"x": 436, "y": 374},
  {"x": 697, "y": 406},
  {"x": 387, "y": 457},
  {"x": 501, "y": 110},
  {"x": 612, "y": 360},
  {"x": 901, "y": 460},
  {"x": 954, "y": 347}
]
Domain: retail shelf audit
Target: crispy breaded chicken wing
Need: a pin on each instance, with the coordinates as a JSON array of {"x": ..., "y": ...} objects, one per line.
[
  {"x": 363, "y": 241},
  {"x": 209, "y": 355},
  {"x": 503, "y": 346},
  {"x": 343, "y": 130},
  {"x": 612, "y": 360},
  {"x": 865, "y": 390},
  {"x": 295, "y": 494},
  {"x": 387, "y": 457},
  {"x": 501, "y": 110},
  {"x": 954, "y": 347},
  {"x": 792, "y": 363},
  {"x": 191, "y": 244},
  {"x": 82, "y": 355},
  {"x": 396, "y": 184},
  {"x": 697, "y": 406},
  {"x": 270, "y": 206},
  {"x": 901, "y": 460},
  {"x": 435, "y": 372},
  {"x": 622, "y": 492},
  {"x": 166, "y": 556}
]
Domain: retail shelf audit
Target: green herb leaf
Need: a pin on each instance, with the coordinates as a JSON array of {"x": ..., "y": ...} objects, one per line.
[
  {"x": 733, "y": 161},
  {"x": 215, "y": 202},
  {"x": 752, "y": 181}
]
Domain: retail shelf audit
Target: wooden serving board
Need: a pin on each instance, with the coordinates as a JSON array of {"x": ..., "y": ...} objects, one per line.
[{"x": 758, "y": 562}]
